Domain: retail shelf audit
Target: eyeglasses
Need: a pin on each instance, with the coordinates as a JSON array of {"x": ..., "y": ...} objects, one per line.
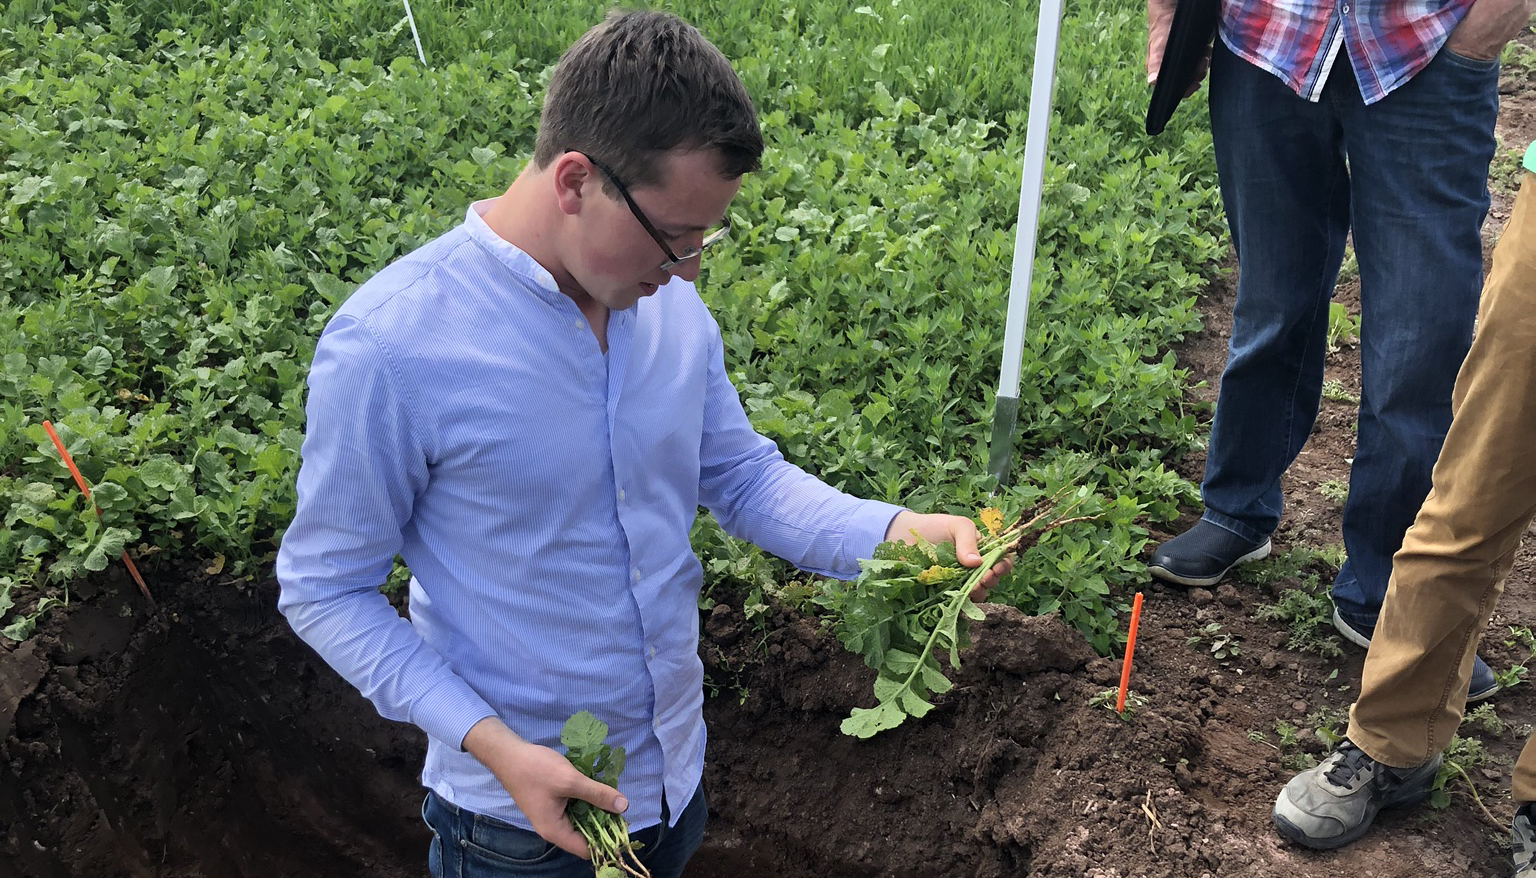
[{"x": 712, "y": 237}]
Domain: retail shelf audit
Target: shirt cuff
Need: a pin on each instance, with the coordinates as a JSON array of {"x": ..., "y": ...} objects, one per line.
[
  {"x": 866, "y": 529},
  {"x": 449, "y": 711}
]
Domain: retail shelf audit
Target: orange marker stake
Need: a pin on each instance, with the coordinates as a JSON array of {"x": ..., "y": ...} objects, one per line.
[
  {"x": 86, "y": 491},
  {"x": 1130, "y": 649}
]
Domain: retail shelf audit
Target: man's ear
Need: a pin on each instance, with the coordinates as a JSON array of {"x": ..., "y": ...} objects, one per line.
[{"x": 574, "y": 179}]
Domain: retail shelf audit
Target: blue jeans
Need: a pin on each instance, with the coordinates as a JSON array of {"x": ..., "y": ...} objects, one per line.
[
  {"x": 470, "y": 845},
  {"x": 1407, "y": 176}
]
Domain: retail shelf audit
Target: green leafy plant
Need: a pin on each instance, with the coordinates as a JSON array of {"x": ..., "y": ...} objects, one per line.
[
  {"x": 607, "y": 835},
  {"x": 911, "y": 602},
  {"x": 1109, "y": 698},
  {"x": 1222, "y": 645},
  {"x": 172, "y": 241},
  {"x": 1333, "y": 389},
  {"x": 1328, "y": 724},
  {"x": 1485, "y": 718},
  {"x": 1520, "y": 637},
  {"x": 1334, "y": 490},
  {"x": 1461, "y": 756},
  {"x": 1293, "y": 756},
  {"x": 1307, "y": 612},
  {"x": 1288, "y": 734},
  {"x": 1343, "y": 328}
]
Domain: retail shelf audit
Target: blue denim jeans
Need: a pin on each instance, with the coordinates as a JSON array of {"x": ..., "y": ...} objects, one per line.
[
  {"x": 1407, "y": 177},
  {"x": 469, "y": 845}
]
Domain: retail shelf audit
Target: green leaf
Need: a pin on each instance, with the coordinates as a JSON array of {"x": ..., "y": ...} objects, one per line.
[
  {"x": 583, "y": 732},
  {"x": 96, "y": 362},
  {"x": 30, "y": 189},
  {"x": 20, "y": 629},
  {"x": 900, "y": 662},
  {"x": 331, "y": 288},
  {"x": 877, "y": 411},
  {"x": 934, "y": 679},
  {"x": 111, "y": 496},
  {"x": 161, "y": 472},
  {"x": 161, "y": 279},
  {"x": 914, "y": 704},
  {"x": 868, "y": 722}
]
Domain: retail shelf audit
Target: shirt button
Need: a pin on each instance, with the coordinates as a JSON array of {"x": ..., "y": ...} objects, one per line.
[
  {"x": 579, "y": 324},
  {"x": 1346, "y": 9},
  {"x": 621, "y": 495},
  {"x": 635, "y": 574},
  {"x": 650, "y": 652}
]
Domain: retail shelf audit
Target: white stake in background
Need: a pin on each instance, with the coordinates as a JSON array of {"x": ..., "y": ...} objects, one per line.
[
  {"x": 1005, "y": 414},
  {"x": 414, "y": 36}
]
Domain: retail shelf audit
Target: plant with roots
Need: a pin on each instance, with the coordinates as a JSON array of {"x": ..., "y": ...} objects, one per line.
[
  {"x": 606, "y": 833},
  {"x": 912, "y": 601}
]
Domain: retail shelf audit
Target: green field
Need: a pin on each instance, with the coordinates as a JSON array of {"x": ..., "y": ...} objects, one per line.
[{"x": 190, "y": 189}]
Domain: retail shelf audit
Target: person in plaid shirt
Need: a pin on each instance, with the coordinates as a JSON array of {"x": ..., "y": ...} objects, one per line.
[{"x": 1332, "y": 120}]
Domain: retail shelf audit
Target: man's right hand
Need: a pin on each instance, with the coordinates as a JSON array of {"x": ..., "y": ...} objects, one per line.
[{"x": 540, "y": 781}]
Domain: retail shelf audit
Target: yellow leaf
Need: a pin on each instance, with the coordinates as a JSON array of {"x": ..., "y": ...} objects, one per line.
[
  {"x": 992, "y": 519},
  {"x": 935, "y": 574},
  {"x": 216, "y": 566}
]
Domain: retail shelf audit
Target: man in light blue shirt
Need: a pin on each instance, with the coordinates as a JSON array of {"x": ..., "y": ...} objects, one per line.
[{"x": 530, "y": 411}]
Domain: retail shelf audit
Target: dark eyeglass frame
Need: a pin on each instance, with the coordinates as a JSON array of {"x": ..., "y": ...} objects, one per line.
[{"x": 673, "y": 259}]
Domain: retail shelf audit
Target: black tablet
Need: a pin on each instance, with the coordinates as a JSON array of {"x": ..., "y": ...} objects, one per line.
[{"x": 1190, "y": 35}]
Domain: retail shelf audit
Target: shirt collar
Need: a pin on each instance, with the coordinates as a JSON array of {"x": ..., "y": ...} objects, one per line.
[{"x": 505, "y": 251}]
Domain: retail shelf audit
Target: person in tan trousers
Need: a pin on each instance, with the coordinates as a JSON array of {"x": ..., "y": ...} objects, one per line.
[{"x": 1446, "y": 579}]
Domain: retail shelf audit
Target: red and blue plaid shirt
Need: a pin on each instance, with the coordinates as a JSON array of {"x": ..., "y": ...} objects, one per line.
[{"x": 1385, "y": 41}]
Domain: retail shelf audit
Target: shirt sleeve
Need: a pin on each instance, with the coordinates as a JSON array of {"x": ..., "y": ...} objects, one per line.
[
  {"x": 756, "y": 495},
  {"x": 364, "y": 463}
]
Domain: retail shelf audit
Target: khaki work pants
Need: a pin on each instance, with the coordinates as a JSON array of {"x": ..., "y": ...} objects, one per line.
[{"x": 1450, "y": 571}]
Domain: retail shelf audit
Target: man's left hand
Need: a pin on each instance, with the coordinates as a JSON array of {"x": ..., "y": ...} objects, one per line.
[
  {"x": 957, "y": 529},
  {"x": 1488, "y": 26}
]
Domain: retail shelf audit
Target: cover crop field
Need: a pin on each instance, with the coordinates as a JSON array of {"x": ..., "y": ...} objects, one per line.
[{"x": 187, "y": 192}]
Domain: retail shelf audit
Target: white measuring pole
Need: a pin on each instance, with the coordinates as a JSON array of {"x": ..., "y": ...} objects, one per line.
[
  {"x": 415, "y": 37},
  {"x": 1005, "y": 414}
]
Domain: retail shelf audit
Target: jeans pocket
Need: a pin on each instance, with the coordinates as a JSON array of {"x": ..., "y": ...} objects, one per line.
[
  {"x": 492, "y": 844},
  {"x": 1477, "y": 65}
]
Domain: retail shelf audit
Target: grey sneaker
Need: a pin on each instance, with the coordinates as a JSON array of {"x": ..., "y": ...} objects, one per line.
[
  {"x": 1522, "y": 843},
  {"x": 1333, "y": 804}
]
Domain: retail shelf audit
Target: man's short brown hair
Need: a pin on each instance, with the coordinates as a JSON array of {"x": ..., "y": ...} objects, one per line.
[{"x": 641, "y": 84}]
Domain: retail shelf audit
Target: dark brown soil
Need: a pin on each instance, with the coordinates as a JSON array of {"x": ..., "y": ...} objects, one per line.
[{"x": 205, "y": 740}]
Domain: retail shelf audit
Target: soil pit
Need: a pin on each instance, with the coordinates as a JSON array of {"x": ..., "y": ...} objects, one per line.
[{"x": 206, "y": 740}]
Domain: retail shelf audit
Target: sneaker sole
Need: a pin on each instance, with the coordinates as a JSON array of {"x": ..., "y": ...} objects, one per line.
[
  {"x": 1349, "y": 633},
  {"x": 1483, "y": 695},
  {"x": 1167, "y": 575}
]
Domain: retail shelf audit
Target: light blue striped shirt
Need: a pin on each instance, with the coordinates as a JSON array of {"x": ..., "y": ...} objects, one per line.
[{"x": 462, "y": 415}]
